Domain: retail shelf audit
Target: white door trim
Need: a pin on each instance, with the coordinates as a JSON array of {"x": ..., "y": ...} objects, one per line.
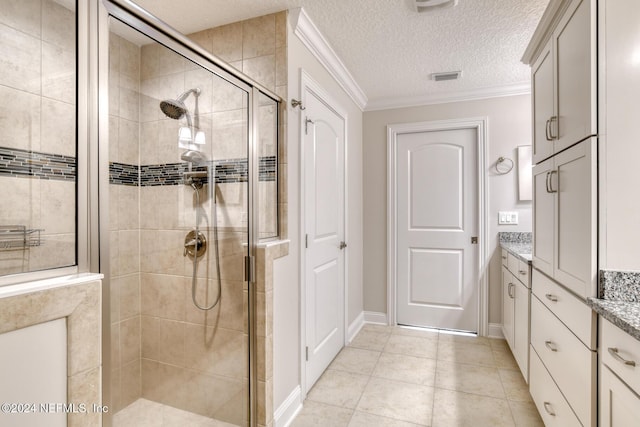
[
  {"x": 308, "y": 83},
  {"x": 393, "y": 130}
]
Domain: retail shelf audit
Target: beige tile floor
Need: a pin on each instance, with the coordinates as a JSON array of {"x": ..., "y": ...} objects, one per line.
[
  {"x": 146, "y": 413},
  {"x": 401, "y": 377}
]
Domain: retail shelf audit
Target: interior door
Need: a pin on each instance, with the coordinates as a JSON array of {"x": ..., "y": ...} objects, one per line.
[
  {"x": 323, "y": 131},
  {"x": 437, "y": 218}
]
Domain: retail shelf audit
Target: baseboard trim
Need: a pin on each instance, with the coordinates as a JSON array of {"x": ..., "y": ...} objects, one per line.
[
  {"x": 355, "y": 327},
  {"x": 286, "y": 413},
  {"x": 375, "y": 317},
  {"x": 495, "y": 330}
]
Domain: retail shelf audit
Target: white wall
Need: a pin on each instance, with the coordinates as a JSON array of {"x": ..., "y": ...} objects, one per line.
[
  {"x": 509, "y": 125},
  {"x": 286, "y": 320}
]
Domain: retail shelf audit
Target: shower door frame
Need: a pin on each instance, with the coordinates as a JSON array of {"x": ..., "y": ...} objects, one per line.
[{"x": 140, "y": 20}]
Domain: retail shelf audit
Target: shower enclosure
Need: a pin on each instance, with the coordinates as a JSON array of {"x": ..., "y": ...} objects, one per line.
[{"x": 191, "y": 146}]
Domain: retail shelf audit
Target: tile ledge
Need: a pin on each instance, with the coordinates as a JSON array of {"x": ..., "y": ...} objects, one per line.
[{"x": 52, "y": 283}]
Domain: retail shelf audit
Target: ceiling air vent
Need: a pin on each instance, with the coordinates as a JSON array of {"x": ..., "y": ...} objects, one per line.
[
  {"x": 450, "y": 75},
  {"x": 427, "y": 5}
]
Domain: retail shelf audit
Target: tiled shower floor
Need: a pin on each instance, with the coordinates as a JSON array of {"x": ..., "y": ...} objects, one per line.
[
  {"x": 145, "y": 413},
  {"x": 399, "y": 377}
]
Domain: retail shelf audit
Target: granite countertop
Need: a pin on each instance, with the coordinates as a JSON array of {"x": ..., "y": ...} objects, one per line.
[
  {"x": 520, "y": 250},
  {"x": 518, "y": 243},
  {"x": 623, "y": 314},
  {"x": 619, "y": 300}
]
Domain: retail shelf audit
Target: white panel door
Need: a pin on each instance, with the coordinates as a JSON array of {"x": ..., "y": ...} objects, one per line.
[
  {"x": 437, "y": 216},
  {"x": 323, "y": 131}
]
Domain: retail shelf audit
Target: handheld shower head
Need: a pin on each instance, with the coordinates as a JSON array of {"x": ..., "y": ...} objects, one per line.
[{"x": 193, "y": 156}]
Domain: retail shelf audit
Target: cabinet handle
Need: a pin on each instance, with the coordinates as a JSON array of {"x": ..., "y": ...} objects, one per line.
[
  {"x": 547, "y": 182},
  {"x": 550, "y": 181},
  {"x": 551, "y": 297},
  {"x": 511, "y": 285},
  {"x": 547, "y": 405},
  {"x": 547, "y": 131},
  {"x": 614, "y": 352},
  {"x": 504, "y": 257},
  {"x": 553, "y": 119},
  {"x": 522, "y": 272},
  {"x": 551, "y": 346}
]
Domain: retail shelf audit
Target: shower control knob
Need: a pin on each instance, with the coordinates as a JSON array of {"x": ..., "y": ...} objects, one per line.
[{"x": 195, "y": 245}]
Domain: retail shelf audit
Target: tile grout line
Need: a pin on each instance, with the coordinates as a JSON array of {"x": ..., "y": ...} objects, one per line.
[{"x": 355, "y": 408}]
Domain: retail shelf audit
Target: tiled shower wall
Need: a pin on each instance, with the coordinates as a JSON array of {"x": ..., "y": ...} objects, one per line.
[
  {"x": 124, "y": 216},
  {"x": 258, "y": 48},
  {"x": 184, "y": 357},
  {"x": 37, "y": 137}
]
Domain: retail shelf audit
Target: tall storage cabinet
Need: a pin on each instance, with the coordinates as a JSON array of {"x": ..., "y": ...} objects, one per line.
[
  {"x": 563, "y": 59},
  {"x": 565, "y": 218},
  {"x": 563, "y": 79}
]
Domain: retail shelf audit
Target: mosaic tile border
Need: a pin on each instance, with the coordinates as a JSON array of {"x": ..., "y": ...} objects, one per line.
[
  {"x": 33, "y": 164},
  {"x": 227, "y": 171}
]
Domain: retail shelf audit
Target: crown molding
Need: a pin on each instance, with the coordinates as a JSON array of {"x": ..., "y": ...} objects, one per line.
[
  {"x": 448, "y": 97},
  {"x": 311, "y": 37},
  {"x": 552, "y": 15}
]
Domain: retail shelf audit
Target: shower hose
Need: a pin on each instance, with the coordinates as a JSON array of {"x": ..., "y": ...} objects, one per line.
[{"x": 194, "y": 274}]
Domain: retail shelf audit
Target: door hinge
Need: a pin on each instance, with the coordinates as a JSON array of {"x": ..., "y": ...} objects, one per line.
[
  {"x": 307, "y": 120},
  {"x": 474, "y": 240},
  {"x": 249, "y": 268},
  {"x": 306, "y": 241},
  {"x": 306, "y": 350}
]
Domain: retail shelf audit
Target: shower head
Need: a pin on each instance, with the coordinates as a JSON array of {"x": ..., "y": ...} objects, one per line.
[
  {"x": 175, "y": 108},
  {"x": 193, "y": 156}
]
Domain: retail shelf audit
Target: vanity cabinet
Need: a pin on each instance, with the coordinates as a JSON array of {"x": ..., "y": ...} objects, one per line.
[
  {"x": 619, "y": 377},
  {"x": 565, "y": 218},
  {"x": 515, "y": 309},
  {"x": 563, "y": 341},
  {"x": 564, "y": 81}
]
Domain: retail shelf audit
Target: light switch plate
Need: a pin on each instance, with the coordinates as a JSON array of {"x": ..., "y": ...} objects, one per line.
[{"x": 507, "y": 218}]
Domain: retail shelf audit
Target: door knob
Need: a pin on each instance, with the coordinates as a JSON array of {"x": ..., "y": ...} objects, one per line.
[{"x": 342, "y": 245}]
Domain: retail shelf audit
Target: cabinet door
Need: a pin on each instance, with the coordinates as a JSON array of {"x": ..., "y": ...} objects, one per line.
[
  {"x": 543, "y": 102},
  {"x": 619, "y": 406},
  {"x": 507, "y": 306},
  {"x": 574, "y": 186},
  {"x": 574, "y": 46},
  {"x": 543, "y": 217},
  {"x": 521, "y": 328}
]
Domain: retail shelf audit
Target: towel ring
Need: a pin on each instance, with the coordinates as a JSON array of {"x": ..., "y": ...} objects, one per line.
[{"x": 503, "y": 168}]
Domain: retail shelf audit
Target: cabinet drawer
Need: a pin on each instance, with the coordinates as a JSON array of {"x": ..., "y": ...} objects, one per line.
[
  {"x": 553, "y": 408},
  {"x": 523, "y": 273},
  {"x": 619, "y": 406},
  {"x": 628, "y": 348},
  {"x": 513, "y": 263},
  {"x": 570, "y": 310},
  {"x": 570, "y": 363},
  {"x": 505, "y": 257}
]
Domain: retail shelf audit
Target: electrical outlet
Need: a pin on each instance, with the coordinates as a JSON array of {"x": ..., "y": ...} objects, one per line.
[{"x": 507, "y": 218}]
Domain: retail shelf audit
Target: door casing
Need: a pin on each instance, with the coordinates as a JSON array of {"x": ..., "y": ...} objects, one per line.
[{"x": 393, "y": 130}]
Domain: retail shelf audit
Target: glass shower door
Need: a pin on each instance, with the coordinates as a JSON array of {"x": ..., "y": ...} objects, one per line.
[{"x": 178, "y": 219}]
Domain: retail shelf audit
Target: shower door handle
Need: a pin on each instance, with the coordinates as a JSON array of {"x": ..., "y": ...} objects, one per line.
[{"x": 342, "y": 245}]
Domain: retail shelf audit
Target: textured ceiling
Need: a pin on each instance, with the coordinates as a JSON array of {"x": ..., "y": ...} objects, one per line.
[{"x": 389, "y": 49}]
